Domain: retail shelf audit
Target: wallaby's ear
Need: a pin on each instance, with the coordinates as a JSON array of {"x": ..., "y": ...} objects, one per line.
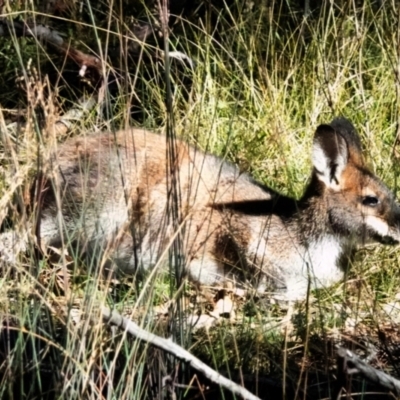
[{"x": 330, "y": 155}]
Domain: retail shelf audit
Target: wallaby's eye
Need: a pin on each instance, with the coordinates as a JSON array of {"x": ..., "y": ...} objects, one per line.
[{"x": 370, "y": 201}]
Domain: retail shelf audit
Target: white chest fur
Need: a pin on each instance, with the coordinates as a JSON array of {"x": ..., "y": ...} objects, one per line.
[
  {"x": 314, "y": 267},
  {"x": 322, "y": 260}
]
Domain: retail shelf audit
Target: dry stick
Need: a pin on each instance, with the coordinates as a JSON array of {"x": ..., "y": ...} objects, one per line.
[
  {"x": 55, "y": 39},
  {"x": 114, "y": 318},
  {"x": 64, "y": 124},
  {"x": 75, "y": 114},
  {"x": 353, "y": 365}
]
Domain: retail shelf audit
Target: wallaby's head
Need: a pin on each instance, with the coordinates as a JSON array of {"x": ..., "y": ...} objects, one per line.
[{"x": 358, "y": 205}]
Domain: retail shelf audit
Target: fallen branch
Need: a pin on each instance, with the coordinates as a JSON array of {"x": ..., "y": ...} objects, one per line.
[
  {"x": 54, "y": 38},
  {"x": 114, "y": 318},
  {"x": 62, "y": 125},
  {"x": 84, "y": 61},
  {"x": 350, "y": 364},
  {"x": 74, "y": 115}
]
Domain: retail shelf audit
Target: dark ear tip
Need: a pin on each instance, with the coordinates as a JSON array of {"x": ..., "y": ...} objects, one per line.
[
  {"x": 324, "y": 129},
  {"x": 343, "y": 126},
  {"x": 347, "y": 130},
  {"x": 342, "y": 122}
]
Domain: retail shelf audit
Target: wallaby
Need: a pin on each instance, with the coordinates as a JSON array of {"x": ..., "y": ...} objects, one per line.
[{"x": 107, "y": 194}]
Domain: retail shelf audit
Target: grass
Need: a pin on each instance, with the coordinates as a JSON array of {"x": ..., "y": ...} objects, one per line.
[{"x": 265, "y": 77}]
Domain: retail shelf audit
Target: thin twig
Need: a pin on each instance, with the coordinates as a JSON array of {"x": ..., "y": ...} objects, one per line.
[
  {"x": 352, "y": 365},
  {"x": 114, "y": 318}
]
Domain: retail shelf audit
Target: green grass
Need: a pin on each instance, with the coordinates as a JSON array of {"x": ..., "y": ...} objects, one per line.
[{"x": 264, "y": 79}]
